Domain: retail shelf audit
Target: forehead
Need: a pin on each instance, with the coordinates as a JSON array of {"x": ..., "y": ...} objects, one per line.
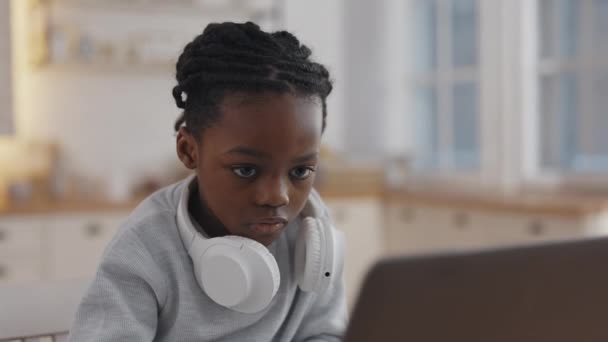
[{"x": 271, "y": 122}]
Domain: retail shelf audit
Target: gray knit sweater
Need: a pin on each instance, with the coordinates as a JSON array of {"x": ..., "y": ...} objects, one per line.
[{"x": 145, "y": 290}]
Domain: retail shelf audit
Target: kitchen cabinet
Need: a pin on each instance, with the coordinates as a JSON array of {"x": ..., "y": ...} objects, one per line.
[
  {"x": 360, "y": 219},
  {"x": 54, "y": 246},
  {"x": 20, "y": 249},
  {"x": 418, "y": 228},
  {"x": 69, "y": 244},
  {"x": 77, "y": 242}
]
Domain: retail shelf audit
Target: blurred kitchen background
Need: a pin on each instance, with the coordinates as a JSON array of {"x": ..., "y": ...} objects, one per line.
[{"x": 454, "y": 124}]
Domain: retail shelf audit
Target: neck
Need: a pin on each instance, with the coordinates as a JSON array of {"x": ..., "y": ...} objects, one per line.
[{"x": 204, "y": 217}]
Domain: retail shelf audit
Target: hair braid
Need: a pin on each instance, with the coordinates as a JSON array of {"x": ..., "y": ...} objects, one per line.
[{"x": 229, "y": 57}]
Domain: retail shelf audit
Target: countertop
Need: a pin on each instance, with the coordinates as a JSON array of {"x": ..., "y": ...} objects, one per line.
[{"x": 562, "y": 205}]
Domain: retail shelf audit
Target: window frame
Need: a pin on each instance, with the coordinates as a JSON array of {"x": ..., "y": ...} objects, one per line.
[
  {"x": 509, "y": 140},
  {"x": 533, "y": 172},
  {"x": 443, "y": 79},
  {"x": 483, "y": 75}
]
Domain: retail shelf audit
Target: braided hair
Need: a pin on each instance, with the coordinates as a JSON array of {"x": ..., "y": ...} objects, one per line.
[{"x": 230, "y": 58}]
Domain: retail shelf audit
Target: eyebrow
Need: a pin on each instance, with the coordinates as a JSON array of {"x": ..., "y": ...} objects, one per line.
[
  {"x": 306, "y": 157},
  {"x": 250, "y": 152}
]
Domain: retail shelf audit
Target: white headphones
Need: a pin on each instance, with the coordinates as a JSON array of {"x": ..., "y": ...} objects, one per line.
[{"x": 241, "y": 274}]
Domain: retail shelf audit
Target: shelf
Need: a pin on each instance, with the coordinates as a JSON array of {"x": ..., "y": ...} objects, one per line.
[
  {"x": 108, "y": 68},
  {"x": 82, "y": 35},
  {"x": 232, "y": 8}
]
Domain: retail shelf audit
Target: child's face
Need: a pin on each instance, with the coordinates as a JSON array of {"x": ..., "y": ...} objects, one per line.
[{"x": 254, "y": 165}]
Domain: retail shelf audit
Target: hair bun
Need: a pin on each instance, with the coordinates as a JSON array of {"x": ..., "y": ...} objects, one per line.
[
  {"x": 177, "y": 95},
  {"x": 292, "y": 45}
]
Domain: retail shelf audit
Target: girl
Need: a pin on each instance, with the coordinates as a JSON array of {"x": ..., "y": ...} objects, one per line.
[{"x": 242, "y": 250}]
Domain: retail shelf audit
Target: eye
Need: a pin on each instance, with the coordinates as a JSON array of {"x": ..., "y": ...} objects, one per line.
[
  {"x": 245, "y": 171},
  {"x": 301, "y": 172}
]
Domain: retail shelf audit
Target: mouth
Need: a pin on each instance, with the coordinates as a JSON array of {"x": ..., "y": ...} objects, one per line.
[{"x": 268, "y": 225}]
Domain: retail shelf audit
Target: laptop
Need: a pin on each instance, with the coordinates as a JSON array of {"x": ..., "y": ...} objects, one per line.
[{"x": 556, "y": 292}]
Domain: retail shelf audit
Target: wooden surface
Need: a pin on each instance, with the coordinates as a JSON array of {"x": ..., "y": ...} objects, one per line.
[
  {"x": 67, "y": 206},
  {"x": 562, "y": 205}
]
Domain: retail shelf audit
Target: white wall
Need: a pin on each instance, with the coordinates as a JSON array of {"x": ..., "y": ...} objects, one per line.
[
  {"x": 363, "y": 42},
  {"x": 375, "y": 116},
  {"x": 365, "y": 79},
  {"x": 108, "y": 124},
  {"x": 6, "y": 111},
  {"x": 320, "y": 25},
  {"x": 397, "y": 140},
  {"x": 120, "y": 123}
]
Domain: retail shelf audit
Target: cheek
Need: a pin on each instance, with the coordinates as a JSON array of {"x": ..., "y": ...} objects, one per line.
[
  {"x": 299, "y": 196},
  {"x": 223, "y": 197}
]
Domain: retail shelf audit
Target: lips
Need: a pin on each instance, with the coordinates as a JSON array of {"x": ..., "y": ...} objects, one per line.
[{"x": 268, "y": 225}]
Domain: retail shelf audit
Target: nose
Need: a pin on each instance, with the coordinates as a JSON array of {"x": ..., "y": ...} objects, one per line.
[{"x": 272, "y": 192}]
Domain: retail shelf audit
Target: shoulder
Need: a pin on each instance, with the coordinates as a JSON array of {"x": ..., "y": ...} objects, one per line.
[
  {"x": 147, "y": 243},
  {"x": 152, "y": 223}
]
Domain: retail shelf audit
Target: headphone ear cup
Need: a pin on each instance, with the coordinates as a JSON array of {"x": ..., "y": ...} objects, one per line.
[
  {"x": 309, "y": 255},
  {"x": 264, "y": 271},
  {"x": 266, "y": 256},
  {"x": 236, "y": 272},
  {"x": 222, "y": 273},
  {"x": 233, "y": 271}
]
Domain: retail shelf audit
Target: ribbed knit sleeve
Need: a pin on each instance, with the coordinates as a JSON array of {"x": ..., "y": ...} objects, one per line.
[{"x": 123, "y": 302}]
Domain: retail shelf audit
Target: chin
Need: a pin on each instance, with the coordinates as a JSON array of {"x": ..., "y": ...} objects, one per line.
[{"x": 267, "y": 240}]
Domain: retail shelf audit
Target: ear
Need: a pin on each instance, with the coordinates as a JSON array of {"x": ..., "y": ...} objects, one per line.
[{"x": 187, "y": 148}]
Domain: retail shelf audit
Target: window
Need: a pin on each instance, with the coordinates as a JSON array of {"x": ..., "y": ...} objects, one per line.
[
  {"x": 445, "y": 92},
  {"x": 509, "y": 92},
  {"x": 573, "y": 86}
]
